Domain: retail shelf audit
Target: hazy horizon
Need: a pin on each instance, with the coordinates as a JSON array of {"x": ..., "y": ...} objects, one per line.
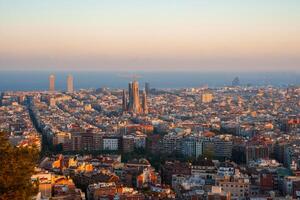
[
  {"x": 136, "y": 72},
  {"x": 146, "y": 35},
  {"x": 39, "y": 80}
]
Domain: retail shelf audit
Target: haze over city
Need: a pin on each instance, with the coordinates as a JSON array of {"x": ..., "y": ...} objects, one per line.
[
  {"x": 150, "y": 35},
  {"x": 149, "y": 99}
]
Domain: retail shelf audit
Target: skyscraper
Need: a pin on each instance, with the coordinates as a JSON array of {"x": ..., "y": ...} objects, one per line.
[
  {"x": 147, "y": 88},
  {"x": 124, "y": 101},
  {"x": 129, "y": 94},
  {"x": 52, "y": 83},
  {"x": 70, "y": 86}
]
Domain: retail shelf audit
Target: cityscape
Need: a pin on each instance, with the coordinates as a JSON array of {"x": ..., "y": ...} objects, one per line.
[
  {"x": 233, "y": 142},
  {"x": 149, "y": 100}
]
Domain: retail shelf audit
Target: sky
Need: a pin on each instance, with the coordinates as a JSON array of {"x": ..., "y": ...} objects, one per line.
[{"x": 150, "y": 35}]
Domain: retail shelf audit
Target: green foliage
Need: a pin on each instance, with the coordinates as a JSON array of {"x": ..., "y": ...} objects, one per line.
[{"x": 16, "y": 168}]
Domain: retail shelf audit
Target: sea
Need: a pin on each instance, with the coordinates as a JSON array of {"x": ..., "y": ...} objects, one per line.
[{"x": 38, "y": 80}]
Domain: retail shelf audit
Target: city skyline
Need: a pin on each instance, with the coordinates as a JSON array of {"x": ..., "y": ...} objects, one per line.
[
  {"x": 150, "y": 99},
  {"x": 150, "y": 35}
]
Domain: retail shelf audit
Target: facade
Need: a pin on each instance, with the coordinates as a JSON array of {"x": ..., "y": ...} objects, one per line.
[
  {"x": 172, "y": 168},
  {"x": 97, "y": 141},
  {"x": 208, "y": 147},
  {"x": 110, "y": 190},
  {"x": 205, "y": 170},
  {"x": 111, "y": 144},
  {"x": 61, "y": 138},
  {"x": 124, "y": 101},
  {"x": 70, "y": 85},
  {"x": 292, "y": 157},
  {"x": 217, "y": 194},
  {"x": 188, "y": 147},
  {"x": 223, "y": 147},
  {"x": 171, "y": 143},
  {"x": 153, "y": 143},
  {"x": 140, "y": 141},
  {"x": 128, "y": 143},
  {"x": 78, "y": 141},
  {"x": 198, "y": 147},
  {"x": 134, "y": 98},
  {"x": 87, "y": 143},
  {"x": 255, "y": 152},
  {"x": 133, "y": 105},
  {"x": 147, "y": 177},
  {"x": 239, "y": 188}
]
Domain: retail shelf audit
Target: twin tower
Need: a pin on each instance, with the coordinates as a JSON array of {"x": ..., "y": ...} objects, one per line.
[
  {"x": 132, "y": 103},
  {"x": 70, "y": 85}
]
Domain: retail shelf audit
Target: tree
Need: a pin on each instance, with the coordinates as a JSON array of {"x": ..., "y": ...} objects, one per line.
[{"x": 16, "y": 168}]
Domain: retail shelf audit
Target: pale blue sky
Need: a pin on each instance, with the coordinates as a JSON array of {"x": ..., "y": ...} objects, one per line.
[{"x": 150, "y": 34}]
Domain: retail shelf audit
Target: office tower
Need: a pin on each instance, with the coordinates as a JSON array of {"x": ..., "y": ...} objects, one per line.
[
  {"x": 188, "y": 147},
  {"x": 124, "y": 101},
  {"x": 134, "y": 98},
  {"x": 223, "y": 146},
  {"x": 144, "y": 103},
  {"x": 51, "y": 83},
  {"x": 147, "y": 88},
  {"x": 70, "y": 86}
]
